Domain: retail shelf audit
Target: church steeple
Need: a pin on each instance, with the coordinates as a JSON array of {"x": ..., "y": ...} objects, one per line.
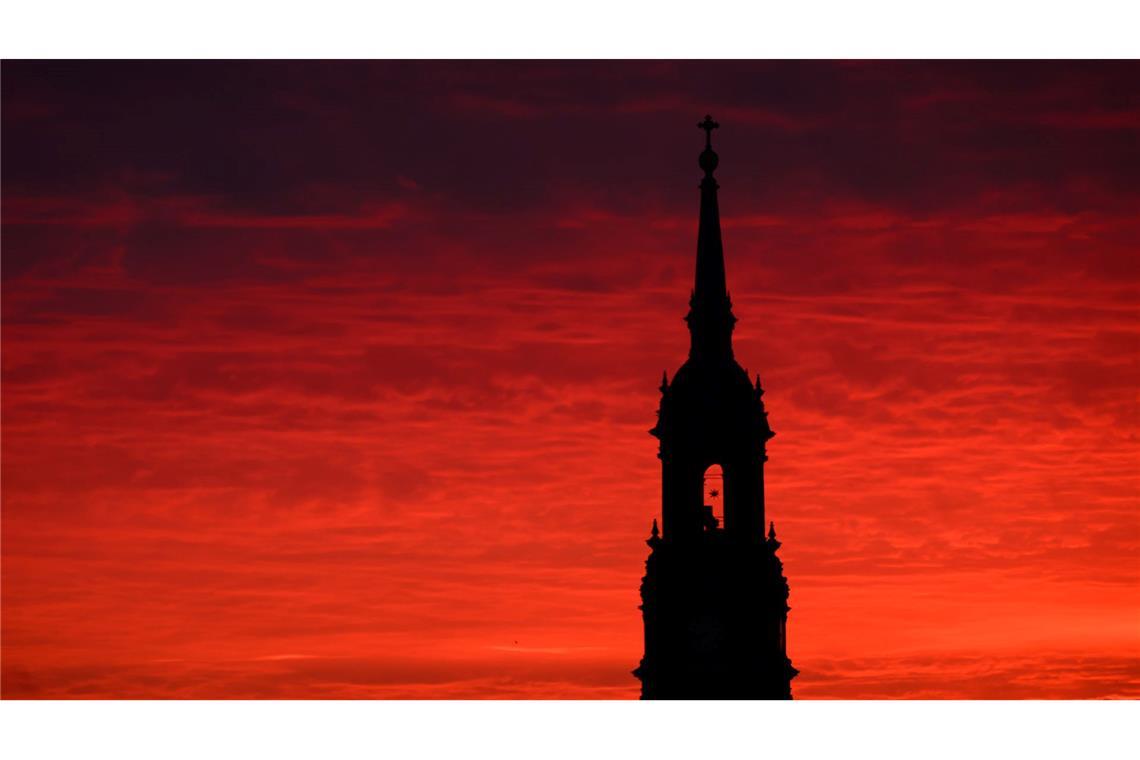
[
  {"x": 714, "y": 597},
  {"x": 710, "y": 315}
]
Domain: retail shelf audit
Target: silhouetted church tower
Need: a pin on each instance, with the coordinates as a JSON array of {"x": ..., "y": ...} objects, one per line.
[{"x": 714, "y": 597}]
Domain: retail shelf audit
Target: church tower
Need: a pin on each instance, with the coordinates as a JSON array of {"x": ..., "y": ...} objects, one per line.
[{"x": 714, "y": 597}]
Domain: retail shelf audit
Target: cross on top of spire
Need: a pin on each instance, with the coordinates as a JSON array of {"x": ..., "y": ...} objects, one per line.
[
  {"x": 708, "y": 159},
  {"x": 708, "y": 125}
]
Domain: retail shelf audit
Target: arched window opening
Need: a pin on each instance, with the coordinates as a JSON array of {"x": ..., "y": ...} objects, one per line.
[{"x": 713, "y": 490}]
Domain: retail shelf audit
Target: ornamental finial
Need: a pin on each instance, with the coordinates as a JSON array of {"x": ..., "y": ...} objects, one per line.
[
  {"x": 708, "y": 125},
  {"x": 709, "y": 158}
]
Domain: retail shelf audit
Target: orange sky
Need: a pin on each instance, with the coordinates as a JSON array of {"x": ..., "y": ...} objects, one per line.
[{"x": 333, "y": 380}]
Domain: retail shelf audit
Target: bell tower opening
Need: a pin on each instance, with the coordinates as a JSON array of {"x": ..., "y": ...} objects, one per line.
[{"x": 713, "y": 495}]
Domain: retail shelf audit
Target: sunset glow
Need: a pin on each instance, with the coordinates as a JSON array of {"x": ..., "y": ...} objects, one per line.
[{"x": 334, "y": 380}]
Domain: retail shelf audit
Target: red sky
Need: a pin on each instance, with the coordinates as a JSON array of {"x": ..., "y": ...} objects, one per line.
[{"x": 333, "y": 380}]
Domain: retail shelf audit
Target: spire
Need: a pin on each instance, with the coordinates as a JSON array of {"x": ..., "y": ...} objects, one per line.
[
  {"x": 710, "y": 285},
  {"x": 710, "y": 315}
]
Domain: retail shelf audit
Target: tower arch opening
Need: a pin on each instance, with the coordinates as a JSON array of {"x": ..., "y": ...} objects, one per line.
[{"x": 712, "y": 494}]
